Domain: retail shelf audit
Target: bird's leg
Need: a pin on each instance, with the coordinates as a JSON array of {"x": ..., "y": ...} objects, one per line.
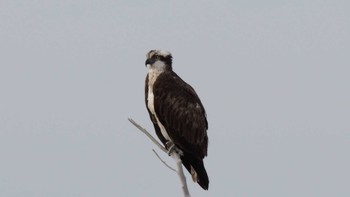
[{"x": 171, "y": 147}]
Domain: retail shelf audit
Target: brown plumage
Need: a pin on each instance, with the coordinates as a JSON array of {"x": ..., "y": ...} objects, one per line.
[{"x": 174, "y": 105}]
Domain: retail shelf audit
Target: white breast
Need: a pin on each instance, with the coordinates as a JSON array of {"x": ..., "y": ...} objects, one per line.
[{"x": 152, "y": 77}]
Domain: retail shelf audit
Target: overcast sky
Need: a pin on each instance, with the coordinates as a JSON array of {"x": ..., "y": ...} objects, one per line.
[{"x": 272, "y": 75}]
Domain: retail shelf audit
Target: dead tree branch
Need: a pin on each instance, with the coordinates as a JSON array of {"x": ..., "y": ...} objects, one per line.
[{"x": 174, "y": 155}]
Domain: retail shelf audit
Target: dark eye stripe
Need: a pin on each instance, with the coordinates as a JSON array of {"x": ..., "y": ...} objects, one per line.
[
  {"x": 158, "y": 57},
  {"x": 167, "y": 59}
]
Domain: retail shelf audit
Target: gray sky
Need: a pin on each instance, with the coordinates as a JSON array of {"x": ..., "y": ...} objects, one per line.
[{"x": 273, "y": 76}]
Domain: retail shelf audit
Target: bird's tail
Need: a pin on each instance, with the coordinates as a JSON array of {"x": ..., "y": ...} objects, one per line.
[{"x": 197, "y": 170}]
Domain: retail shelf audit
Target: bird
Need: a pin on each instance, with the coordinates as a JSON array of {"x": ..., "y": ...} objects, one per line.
[{"x": 177, "y": 114}]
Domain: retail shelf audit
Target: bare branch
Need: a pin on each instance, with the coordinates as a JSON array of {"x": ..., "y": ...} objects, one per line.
[
  {"x": 148, "y": 134},
  {"x": 174, "y": 155},
  {"x": 164, "y": 161},
  {"x": 180, "y": 172}
]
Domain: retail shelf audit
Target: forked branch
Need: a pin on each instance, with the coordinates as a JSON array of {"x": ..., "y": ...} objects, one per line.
[{"x": 174, "y": 155}]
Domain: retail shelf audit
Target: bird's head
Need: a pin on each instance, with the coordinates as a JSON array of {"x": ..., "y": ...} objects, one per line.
[{"x": 159, "y": 59}]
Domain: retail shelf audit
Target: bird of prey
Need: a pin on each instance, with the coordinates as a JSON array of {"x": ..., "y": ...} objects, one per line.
[{"x": 177, "y": 114}]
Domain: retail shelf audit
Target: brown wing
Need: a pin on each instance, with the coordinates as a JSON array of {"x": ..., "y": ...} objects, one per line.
[{"x": 181, "y": 112}]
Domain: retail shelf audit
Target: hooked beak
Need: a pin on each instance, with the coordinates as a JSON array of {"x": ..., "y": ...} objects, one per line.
[{"x": 149, "y": 61}]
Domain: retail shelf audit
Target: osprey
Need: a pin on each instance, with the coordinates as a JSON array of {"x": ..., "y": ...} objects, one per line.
[{"x": 177, "y": 114}]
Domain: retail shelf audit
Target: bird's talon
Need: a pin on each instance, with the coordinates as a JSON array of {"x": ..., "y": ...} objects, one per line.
[{"x": 170, "y": 147}]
